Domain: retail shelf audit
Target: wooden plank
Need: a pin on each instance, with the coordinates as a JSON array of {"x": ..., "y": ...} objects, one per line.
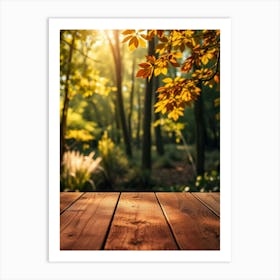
[
  {"x": 194, "y": 226},
  {"x": 139, "y": 224},
  {"x": 84, "y": 225},
  {"x": 211, "y": 200},
  {"x": 67, "y": 198}
]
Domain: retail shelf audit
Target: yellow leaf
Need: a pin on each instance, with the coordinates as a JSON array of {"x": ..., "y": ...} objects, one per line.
[
  {"x": 157, "y": 71},
  {"x": 164, "y": 71},
  {"x": 204, "y": 59},
  {"x": 158, "y": 109},
  {"x": 142, "y": 42},
  {"x": 132, "y": 47},
  {"x": 178, "y": 55},
  {"x": 173, "y": 115},
  {"x": 167, "y": 80}
]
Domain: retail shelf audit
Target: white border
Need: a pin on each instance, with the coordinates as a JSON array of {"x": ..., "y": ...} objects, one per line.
[{"x": 224, "y": 254}]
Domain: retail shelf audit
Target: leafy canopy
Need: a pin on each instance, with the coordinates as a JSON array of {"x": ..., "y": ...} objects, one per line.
[{"x": 195, "y": 53}]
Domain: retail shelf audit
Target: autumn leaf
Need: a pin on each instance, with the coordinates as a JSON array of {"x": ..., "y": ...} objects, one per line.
[
  {"x": 134, "y": 39},
  {"x": 142, "y": 42},
  {"x": 188, "y": 64},
  {"x": 145, "y": 65},
  {"x": 175, "y": 114},
  {"x": 177, "y": 93},
  {"x": 216, "y": 78},
  {"x": 159, "y": 33},
  {"x": 133, "y": 43},
  {"x": 145, "y": 73},
  {"x": 148, "y": 68},
  {"x": 160, "y": 48},
  {"x": 202, "y": 74},
  {"x": 172, "y": 58},
  {"x": 127, "y": 38},
  {"x": 206, "y": 57},
  {"x": 126, "y": 32},
  {"x": 167, "y": 80}
]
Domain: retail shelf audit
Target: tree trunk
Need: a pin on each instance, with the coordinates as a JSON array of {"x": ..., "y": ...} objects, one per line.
[
  {"x": 200, "y": 134},
  {"x": 63, "y": 122},
  {"x": 131, "y": 100},
  {"x": 138, "y": 128},
  {"x": 146, "y": 149},
  {"x": 118, "y": 67},
  {"x": 158, "y": 135}
]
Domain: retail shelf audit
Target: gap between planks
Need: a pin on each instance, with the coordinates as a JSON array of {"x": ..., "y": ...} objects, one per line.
[
  {"x": 195, "y": 227},
  {"x": 169, "y": 223},
  {"x": 110, "y": 223},
  {"x": 70, "y": 202},
  {"x": 83, "y": 226},
  {"x": 209, "y": 201},
  {"x": 139, "y": 224}
]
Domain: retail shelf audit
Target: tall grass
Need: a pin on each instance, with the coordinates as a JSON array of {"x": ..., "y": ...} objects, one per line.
[{"x": 77, "y": 171}]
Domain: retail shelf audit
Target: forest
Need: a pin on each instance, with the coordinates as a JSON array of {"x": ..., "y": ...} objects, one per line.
[{"x": 140, "y": 110}]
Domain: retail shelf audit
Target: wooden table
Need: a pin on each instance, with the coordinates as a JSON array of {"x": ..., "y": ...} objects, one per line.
[{"x": 139, "y": 221}]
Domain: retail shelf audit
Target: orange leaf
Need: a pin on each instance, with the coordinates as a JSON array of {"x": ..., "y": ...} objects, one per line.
[
  {"x": 163, "y": 39},
  {"x": 136, "y": 43},
  {"x": 126, "y": 32},
  {"x": 144, "y": 36},
  {"x": 160, "y": 46},
  {"x": 174, "y": 62},
  {"x": 161, "y": 89},
  {"x": 126, "y": 38},
  {"x": 141, "y": 73},
  {"x": 144, "y": 73},
  {"x": 216, "y": 79},
  {"x": 187, "y": 66},
  {"x": 160, "y": 33},
  {"x": 145, "y": 65},
  {"x": 131, "y": 44}
]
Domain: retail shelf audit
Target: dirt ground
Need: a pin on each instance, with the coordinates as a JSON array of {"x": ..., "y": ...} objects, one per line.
[{"x": 180, "y": 174}]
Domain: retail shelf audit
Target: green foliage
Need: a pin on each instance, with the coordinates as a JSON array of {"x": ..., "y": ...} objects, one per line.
[
  {"x": 77, "y": 171},
  {"x": 138, "y": 179},
  {"x": 164, "y": 162},
  {"x": 173, "y": 153},
  {"x": 114, "y": 162},
  {"x": 209, "y": 182},
  {"x": 79, "y": 135},
  {"x": 212, "y": 160},
  {"x": 93, "y": 108},
  {"x": 171, "y": 128}
]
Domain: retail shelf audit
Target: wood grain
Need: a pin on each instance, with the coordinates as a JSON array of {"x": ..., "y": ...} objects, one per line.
[
  {"x": 67, "y": 198},
  {"x": 194, "y": 226},
  {"x": 211, "y": 200},
  {"x": 139, "y": 224},
  {"x": 83, "y": 226}
]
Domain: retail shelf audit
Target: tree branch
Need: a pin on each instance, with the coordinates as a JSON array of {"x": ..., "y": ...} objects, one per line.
[{"x": 216, "y": 71}]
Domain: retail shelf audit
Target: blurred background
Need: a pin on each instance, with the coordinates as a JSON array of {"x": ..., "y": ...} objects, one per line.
[{"x": 112, "y": 138}]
